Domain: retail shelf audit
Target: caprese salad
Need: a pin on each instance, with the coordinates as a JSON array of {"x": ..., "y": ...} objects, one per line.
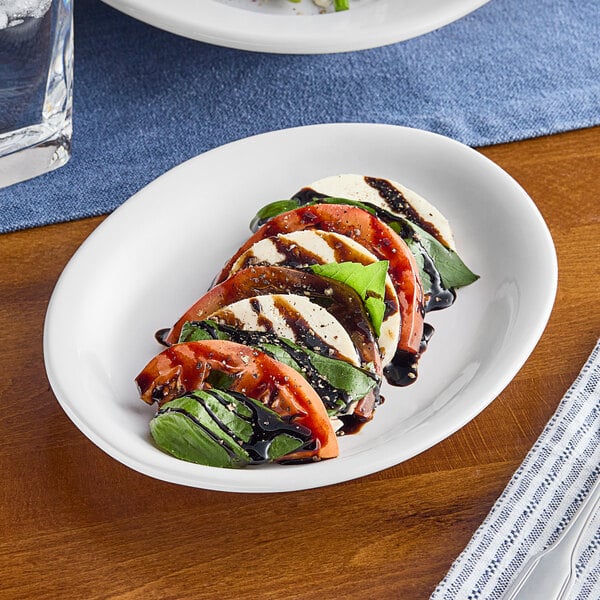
[{"x": 288, "y": 349}]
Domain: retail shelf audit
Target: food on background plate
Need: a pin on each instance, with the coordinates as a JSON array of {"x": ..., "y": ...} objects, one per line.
[
  {"x": 337, "y": 5},
  {"x": 288, "y": 349}
]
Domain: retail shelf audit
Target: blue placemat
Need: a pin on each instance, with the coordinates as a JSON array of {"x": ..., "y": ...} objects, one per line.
[{"x": 145, "y": 100}]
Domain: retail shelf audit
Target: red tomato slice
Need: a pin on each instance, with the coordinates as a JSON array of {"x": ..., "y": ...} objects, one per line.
[
  {"x": 374, "y": 235},
  {"x": 187, "y": 367}
]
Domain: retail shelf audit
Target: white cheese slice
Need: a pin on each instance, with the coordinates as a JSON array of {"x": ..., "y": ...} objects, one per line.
[
  {"x": 355, "y": 187},
  {"x": 291, "y": 316}
]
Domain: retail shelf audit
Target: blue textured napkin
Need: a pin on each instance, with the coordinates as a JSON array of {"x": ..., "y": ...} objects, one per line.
[
  {"x": 538, "y": 503},
  {"x": 145, "y": 100}
]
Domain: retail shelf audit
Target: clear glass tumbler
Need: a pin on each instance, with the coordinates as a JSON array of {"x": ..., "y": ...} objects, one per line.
[{"x": 36, "y": 87}]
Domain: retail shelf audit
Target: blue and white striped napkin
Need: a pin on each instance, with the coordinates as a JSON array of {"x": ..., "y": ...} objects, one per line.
[{"x": 539, "y": 501}]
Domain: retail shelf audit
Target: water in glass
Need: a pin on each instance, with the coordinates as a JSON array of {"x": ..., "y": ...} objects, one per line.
[{"x": 36, "y": 76}]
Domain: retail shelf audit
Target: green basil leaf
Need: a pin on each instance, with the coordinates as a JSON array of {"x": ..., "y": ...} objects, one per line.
[
  {"x": 191, "y": 333},
  {"x": 207, "y": 406},
  {"x": 272, "y": 210},
  {"x": 176, "y": 434},
  {"x": 220, "y": 379},
  {"x": 354, "y": 382},
  {"x": 453, "y": 271},
  {"x": 341, "y": 5},
  {"x": 222, "y": 429},
  {"x": 281, "y": 354},
  {"x": 185, "y": 429},
  {"x": 367, "y": 280},
  {"x": 417, "y": 252},
  {"x": 283, "y": 444}
]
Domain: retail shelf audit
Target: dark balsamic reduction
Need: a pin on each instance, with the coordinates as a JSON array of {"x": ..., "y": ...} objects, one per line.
[
  {"x": 295, "y": 256},
  {"x": 397, "y": 202},
  {"x": 265, "y": 427},
  {"x": 302, "y": 329},
  {"x": 351, "y": 424},
  {"x": 428, "y": 332},
  {"x": 261, "y": 319},
  {"x": 299, "y": 256},
  {"x": 307, "y": 195},
  {"x": 439, "y": 297},
  {"x": 161, "y": 336},
  {"x": 402, "y": 369}
]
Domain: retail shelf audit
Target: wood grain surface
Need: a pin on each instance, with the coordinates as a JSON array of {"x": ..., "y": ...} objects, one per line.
[{"x": 76, "y": 524}]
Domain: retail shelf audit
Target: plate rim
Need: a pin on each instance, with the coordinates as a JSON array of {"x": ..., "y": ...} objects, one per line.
[
  {"x": 516, "y": 364},
  {"x": 270, "y": 33}
]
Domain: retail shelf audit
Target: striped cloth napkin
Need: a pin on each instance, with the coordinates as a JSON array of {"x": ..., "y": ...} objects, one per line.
[{"x": 539, "y": 501}]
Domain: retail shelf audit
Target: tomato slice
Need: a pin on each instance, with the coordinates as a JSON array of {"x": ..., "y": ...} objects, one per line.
[
  {"x": 193, "y": 365},
  {"x": 374, "y": 235}
]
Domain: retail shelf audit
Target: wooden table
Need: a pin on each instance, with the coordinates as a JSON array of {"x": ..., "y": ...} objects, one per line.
[{"x": 76, "y": 524}]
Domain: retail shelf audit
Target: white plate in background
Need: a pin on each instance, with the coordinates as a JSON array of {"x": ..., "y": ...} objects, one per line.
[
  {"x": 158, "y": 252},
  {"x": 284, "y": 27}
]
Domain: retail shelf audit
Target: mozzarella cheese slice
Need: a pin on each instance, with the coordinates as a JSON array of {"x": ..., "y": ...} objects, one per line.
[
  {"x": 389, "y": 195},
  {"x": 295, "y": 318},
  {"x": 312, "y": 246}
]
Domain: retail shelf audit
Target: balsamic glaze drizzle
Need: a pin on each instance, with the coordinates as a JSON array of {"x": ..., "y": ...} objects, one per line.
[
  {"x": 402, "y": 370},
  {"x": 265, "y": 425}
]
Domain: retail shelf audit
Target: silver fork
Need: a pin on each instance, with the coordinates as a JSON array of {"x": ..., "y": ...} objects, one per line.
[{"x": 549, "y": 574}]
